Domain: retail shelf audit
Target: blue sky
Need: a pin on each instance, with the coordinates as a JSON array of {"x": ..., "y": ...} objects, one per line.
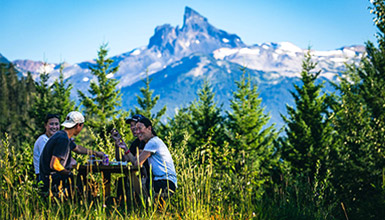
[{"x": 72, "y": 30}]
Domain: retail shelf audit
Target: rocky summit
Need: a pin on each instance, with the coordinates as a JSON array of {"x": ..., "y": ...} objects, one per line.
[{"x": 179, "y": 59}]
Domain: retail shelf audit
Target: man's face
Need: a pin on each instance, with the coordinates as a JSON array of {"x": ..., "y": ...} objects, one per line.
[
  {"x": 52, "y": 126},
  {"x": 133, "y": 128},
  {"x": 78, "y": 128},
  {"x": 144, "y": 134}
]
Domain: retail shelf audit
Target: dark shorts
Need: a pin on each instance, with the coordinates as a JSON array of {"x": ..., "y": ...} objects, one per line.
[
  {"x": 164, "y": 185},
  {"x": 56, "y": 180}
]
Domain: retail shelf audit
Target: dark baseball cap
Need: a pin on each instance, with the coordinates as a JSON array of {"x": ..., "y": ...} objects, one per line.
[{"x": 134, "y": 118}]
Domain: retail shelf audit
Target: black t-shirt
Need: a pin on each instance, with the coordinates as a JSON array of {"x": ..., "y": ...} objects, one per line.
[
  {"x": 59, "y": 145},
  {"x": 137, "y": 144}
]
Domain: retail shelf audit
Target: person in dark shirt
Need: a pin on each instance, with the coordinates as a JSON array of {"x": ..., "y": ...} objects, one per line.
[{"x": 55, "y": 160}]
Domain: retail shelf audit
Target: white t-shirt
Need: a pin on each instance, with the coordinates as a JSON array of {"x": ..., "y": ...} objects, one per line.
[
  {"x": 160, "y": 160},
  {"x": 37, "y": 149}
]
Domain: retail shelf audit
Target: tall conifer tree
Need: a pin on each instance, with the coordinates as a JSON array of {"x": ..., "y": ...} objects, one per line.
[
  {"x": 15, "y": 102},
  {"x": 147, "y": 103},
  {"x": 62, "y": 103},
  {"x": 101, "y": 105},
  {"x": 308, "y": 131},
  {"x": 358, "y": 172},
  {"x": 42, "y": 104},
  {"x": 177, "y": 127},
  {"x": 206, "y": 120},
  {"x": 250, "y": 137},
  {"x": 26, "y": 102},
  {"x": 4, "y": 98},
  {"x": 247, "y": 124}
]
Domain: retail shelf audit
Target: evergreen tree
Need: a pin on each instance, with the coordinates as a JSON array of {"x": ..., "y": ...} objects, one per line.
[
  {"x": 4, "y": 94},
  {"x": 357, "y": 171},
  {"x": 42, "y": 105},
  {"x": 360, "y": 128},
  {"x": 308, "y": 132},
  {"x": 206, "y": 122},
  {"x": 62, "y": 103},
  {"x": 249, "y": 136},
  {"x": 26, "y": 101},
  {"x": 147, "y": 103},
  {"x": 101, "y": 106},
  {"x": 16, "y": 97},
  {"x": 177, "y": 127},
  {"x": 13, "y": 104},
  {"x": 246, "y": 123},
  {"x": 53, "y": 99}
]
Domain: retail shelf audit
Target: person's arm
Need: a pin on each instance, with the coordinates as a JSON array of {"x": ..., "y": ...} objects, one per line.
[
  {"x": 37, "y": 150},
  {"x": 142, "y": 157},
  {"x": 119, "y": 143},
  {"x": 127, "y": 156},
  {"x": 56, "y": 165},
  {"x": 36, "y": 156},
  {"x": 82, "y": 150},
  {"x": 117, "y": 153}
]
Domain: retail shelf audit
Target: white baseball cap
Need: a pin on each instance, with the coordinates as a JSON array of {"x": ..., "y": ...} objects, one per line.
[{"x": 72, "y": 119}]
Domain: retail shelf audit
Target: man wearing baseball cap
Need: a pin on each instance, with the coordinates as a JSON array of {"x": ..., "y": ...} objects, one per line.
[
  {"x": 157, "y": 155},
  {"x": 136, "y": 145},
  {"x": 55, "y": 160}
]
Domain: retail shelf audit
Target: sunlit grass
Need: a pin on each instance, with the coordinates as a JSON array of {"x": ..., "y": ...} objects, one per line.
[{"x": 202, "y": 193}]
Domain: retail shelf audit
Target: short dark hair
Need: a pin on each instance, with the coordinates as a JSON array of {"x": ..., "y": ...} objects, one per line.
[
  {"x": 147, "y": 123},
  {"x": 134, "y": 118},
  {"x": 49, "y": 116}
]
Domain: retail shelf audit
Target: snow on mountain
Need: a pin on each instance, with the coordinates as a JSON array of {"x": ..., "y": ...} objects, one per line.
[
  {"x": 285, "y": 58},
  {"x": 170, "y": 44},
  {"x": 35, "y": 67},
  {"x": 179, "y": 59}
]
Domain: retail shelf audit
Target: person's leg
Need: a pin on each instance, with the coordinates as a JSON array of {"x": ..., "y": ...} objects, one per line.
[
  {"x": 164, "y": 189},
  {"x": 46, "y": 184},
  {"x": 122, "y": 188},
  {"x": 62, "y": 183},
  {"x": 167, "y": 187}
]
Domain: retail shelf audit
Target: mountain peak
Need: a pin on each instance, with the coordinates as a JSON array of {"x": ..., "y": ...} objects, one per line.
[
  {"x": 196, "y": 35},
  {"x": 192, "y": 17},
  {"x": 3, "y": 59}
]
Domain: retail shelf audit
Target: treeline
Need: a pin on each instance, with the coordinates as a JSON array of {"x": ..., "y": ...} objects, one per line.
[{"x": 328, "y": 163}]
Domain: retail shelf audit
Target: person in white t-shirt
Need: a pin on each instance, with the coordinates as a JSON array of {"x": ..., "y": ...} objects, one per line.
[
  {"x": 164, "y": 177},
  {"x": 51, "y": 125}
]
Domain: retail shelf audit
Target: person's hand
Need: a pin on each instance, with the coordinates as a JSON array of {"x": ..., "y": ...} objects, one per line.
[
  {"x": 115, "y": 135},
  {"x": 121, "y": 144},
  {"x": 66, "y": 172}
]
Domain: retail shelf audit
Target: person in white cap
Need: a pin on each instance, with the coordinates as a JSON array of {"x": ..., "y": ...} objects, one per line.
[{"x": 55, "y": 160}]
